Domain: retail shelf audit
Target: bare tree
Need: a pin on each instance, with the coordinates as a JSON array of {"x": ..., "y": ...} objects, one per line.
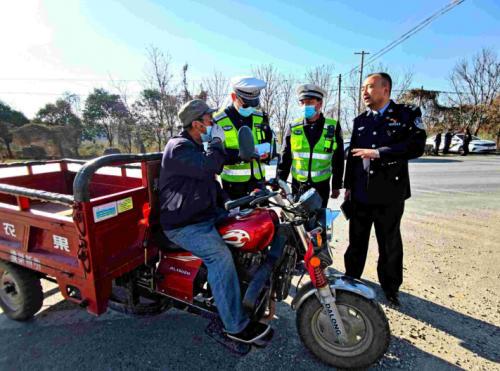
[
  {"x": 185, "y": 95},
  {"x": 284, "y": 104},
  {"x": 323, "y": 76},
  {"x": 217, "y": 88},
  {"x": 160, "y": 80},
  {"x": 476, "y": 84},
  {"x": 269, "y": 73}
]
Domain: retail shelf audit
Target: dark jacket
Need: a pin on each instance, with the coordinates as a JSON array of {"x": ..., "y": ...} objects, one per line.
[
  {"x": 189, "y": 192},
  {"x": 313, "y": 132},
  {"x": 399, "y": 135}
]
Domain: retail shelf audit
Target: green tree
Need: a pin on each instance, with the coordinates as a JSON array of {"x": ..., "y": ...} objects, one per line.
[
  {"x": 6, "y": 136},
  {"x": 66, "y": 125},
  {"x": 58, "y": 113},
  {"x": 103, "y": 114},
  {"x": 11, "y": 116},
  {"x": 9, "y": 120}
]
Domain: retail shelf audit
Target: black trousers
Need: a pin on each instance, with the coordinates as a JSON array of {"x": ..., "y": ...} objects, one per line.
[
  {"x": 239, "y": 189},
  {"x": 387, "y": 220},
  {"x": 466, "y": 148},
  {"x": 323, "y": 188},
  {"x": 436, "y": 149}
]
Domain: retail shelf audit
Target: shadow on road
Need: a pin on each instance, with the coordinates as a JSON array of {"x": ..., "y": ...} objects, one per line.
[
  {"x": 478, "y": 336},
  {"x": 64, "y": 337}
]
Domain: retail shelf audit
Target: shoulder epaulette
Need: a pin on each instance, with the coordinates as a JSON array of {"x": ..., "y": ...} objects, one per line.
[
  {"x": 409, "y": 106},
  {"x": 296, "y": 122},
  {"x": 220, "y": 115},
  {"x": 258, "y": 113}
]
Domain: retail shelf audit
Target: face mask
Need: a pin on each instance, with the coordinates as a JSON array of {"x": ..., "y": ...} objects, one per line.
[
  {"x": 309, "y": 111},
  {"x": 208, "y": 135},
  {"x": 245, "y": 112}
]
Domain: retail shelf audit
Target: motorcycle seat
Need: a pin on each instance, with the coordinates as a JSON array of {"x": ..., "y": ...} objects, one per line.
[{"x": 163, "y": 243}]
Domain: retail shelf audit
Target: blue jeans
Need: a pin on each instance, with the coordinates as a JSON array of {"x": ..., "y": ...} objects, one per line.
[{"x": 203, "y": 240}]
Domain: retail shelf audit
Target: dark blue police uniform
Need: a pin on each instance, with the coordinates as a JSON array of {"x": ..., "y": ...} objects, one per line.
[{"x": 379, "y": 188}]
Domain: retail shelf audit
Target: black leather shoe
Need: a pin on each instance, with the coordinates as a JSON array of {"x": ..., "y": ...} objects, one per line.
[{"x": 393, "y": 298}]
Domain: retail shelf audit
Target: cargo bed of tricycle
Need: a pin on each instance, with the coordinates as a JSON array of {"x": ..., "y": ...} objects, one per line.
[{"x": 80, "y": 224}]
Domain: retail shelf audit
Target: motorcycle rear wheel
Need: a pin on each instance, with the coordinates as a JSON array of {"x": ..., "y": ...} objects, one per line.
[{"x": 367, "y": 329}]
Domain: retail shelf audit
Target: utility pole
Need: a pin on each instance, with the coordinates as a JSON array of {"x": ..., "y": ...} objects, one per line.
[
  {"x": 338, "y": 105},
  {"x": 363, "y": 53}
]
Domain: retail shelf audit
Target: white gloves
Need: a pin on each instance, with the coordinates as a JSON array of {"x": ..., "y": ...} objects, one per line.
[{"x": 218, "y": 132}]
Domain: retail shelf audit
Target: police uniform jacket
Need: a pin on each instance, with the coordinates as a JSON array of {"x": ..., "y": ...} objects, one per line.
[
  {"x": 399, "y": 135},
  {"x": 313, "y": 132},
  {"x": 232, "y": 155}
]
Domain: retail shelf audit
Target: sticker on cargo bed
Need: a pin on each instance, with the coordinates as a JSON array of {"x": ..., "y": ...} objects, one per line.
[
  {"x": 60, "y": 243},
  {"x": 125, "y": 204},
  {"x": 25, "y": 259},
  {"x": 106, "y": 211}
]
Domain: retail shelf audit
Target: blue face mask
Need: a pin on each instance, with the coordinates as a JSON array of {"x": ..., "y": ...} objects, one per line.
[
  {"x": 245, "y": 112},
  {"x": 207, "y": 137},
  {"x": 309, "y": 111}
]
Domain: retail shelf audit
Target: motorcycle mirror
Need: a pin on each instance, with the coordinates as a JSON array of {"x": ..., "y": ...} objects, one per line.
[{"x": 246, "y": 143}]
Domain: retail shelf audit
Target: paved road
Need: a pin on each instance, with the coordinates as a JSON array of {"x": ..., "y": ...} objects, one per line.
[{"x": 64, "y": 337}]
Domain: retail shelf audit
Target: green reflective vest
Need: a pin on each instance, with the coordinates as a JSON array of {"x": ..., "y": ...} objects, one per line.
[
  {"x": 241, "y": 172},
  {"x": 316, "y": 162}
]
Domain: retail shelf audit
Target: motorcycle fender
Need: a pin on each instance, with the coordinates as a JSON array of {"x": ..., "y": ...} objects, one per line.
[{"x": 337, "y": 282}]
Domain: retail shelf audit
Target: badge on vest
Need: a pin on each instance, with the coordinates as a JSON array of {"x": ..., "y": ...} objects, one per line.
[
  {"x": 297, "y": 132},
  {"x": 394, "y": 124},
  {"x": 227, "y": 127}
]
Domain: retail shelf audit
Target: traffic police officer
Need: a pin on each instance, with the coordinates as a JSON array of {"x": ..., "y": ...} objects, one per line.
[
  {"x": 377, "y": 180},
  {"x": 238, "y": 177},
  {"x": 313, "y": 148}
]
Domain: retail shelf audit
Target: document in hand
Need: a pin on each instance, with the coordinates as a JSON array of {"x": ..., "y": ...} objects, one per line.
[{"x": 263, "y": 148}]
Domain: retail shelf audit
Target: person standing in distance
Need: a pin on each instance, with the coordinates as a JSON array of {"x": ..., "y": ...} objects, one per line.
[
  {"x": 377, "y": 181},
  {"x": 437, "y": 142},
  {"x": 447, "y": 141}
]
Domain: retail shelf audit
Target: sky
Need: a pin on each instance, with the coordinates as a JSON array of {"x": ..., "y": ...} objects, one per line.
[{"x": 52, "y": 46}]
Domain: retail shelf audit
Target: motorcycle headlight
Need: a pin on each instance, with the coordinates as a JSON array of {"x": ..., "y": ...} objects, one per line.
[{"x": 310, "y": 201}]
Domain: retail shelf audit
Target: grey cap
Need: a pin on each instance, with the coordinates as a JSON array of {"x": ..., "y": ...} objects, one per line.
[
  {"x": 310, "y": 91},
  {"x": 248, "y": 89},
  {"x": 193, "y": 110}
]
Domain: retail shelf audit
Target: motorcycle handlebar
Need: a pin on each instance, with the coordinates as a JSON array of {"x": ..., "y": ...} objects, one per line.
[
  {"x": 238, "y": 202},
  {"x": 252, "y": 199}
]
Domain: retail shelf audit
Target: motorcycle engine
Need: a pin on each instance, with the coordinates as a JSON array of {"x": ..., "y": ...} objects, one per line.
[
  {"x": 282, "y": 277},
  {"x": 247, "y": 264}
]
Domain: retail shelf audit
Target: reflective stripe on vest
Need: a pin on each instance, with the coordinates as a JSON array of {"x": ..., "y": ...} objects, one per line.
[
  {"x": 315, "y": 163},
  {"x": 242, "y": 172}
]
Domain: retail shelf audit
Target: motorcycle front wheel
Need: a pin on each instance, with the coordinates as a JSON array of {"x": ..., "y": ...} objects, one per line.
[{"x": 366, "y": 325}]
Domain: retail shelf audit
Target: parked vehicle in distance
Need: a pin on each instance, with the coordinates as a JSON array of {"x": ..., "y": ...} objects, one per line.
[{"x": 477, "y": 145}]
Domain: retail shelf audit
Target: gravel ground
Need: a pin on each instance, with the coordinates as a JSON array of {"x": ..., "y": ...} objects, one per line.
[{"x": 449, "y": 318}]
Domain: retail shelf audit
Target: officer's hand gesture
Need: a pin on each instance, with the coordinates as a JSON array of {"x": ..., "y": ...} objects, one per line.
[{"x": 365, "y": 153}]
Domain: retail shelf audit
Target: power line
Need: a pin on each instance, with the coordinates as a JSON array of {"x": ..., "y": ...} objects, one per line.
[{"x": 410, "y": 33}]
